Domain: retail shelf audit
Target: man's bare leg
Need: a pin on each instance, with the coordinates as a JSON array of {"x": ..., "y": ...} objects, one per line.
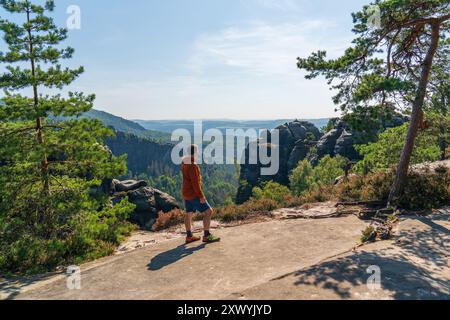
[
  {"x": 189, "y": 226},
  {"x": 188, "y": 222},
  {"x": 207, "y": 219},
  {"x": 208, "y": 237}
]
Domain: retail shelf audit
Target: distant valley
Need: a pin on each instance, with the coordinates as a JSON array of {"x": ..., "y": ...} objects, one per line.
[
  {"x": 148, "y": 148},
  {"x": 161, "y": 130}
]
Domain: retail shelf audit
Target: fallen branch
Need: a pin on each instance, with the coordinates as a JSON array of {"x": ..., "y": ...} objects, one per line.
[
  {"x": 363, "y": 203},
  {"x": 317, "y": 217}
]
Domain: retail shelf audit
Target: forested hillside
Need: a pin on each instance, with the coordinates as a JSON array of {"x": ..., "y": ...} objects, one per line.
[
  {"x": 122, "y": 125},
  {"x": 144, "y": 156}
]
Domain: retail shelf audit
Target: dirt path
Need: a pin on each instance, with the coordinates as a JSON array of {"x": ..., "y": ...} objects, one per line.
[{"x": 279, "y": 259}]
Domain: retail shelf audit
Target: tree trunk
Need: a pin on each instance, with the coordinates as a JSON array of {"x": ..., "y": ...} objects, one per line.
[
  {"x": 403, "y": 166},
  {"x": 443, "y": 139},
  {"x": 39, "y": 120},
  {"x": 44, "y": 162}
]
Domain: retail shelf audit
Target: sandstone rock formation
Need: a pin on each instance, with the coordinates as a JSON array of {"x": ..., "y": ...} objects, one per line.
[
  {"x": 296, "y": 140},
  {"x": 301, "y": 140},
  {"x": 338, "y": 141},
  {"x": 149, "y": 201}
]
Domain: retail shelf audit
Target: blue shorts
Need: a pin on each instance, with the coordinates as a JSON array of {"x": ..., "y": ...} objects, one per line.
[{"x": 195, "y": 205}]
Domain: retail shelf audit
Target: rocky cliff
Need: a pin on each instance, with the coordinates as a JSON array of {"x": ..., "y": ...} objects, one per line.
[
  {"x": 301, "y": 140},
  {"x": 296, "y": 140},
  {"x": 149, "y": 201}
]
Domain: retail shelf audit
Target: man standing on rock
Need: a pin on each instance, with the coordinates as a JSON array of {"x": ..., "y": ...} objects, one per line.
[{"x": 194, "y": 199}]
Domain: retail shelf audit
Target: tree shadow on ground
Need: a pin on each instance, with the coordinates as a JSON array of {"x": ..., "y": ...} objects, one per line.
[
  {"x": 10, "y": 288},
  {"x": 167, "y": 258},
  {"x": 411, "y": 268},
  {"x": 9, "y": 291},
  {"x": 431, "y": 244}
]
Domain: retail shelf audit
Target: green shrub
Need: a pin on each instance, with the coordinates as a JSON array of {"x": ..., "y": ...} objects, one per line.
[
  {"x": 305, "y": 178},
  {"x": 249, "y": 209},
  {"x": 261, "y": 206},
  {"x": 70, "y": 229},
  {"x": 423, "y": 190},
  {"x": 272, "y": 191},
  {"x": 328, "y": 169},
  {"x": 368, "y": 235},
  {"x": 386, "y": 152},
  {"x": 301, "y": 178}
]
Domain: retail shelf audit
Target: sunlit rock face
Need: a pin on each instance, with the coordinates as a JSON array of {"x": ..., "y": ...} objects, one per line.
[
  {"x": 295, "y": 142},
  {"x": 301, "y": 140},
  {"x": 149, "y": 201}
]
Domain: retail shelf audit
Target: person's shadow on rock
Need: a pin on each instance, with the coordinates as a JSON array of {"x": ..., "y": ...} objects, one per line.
[{"x": 167, "y": 258}]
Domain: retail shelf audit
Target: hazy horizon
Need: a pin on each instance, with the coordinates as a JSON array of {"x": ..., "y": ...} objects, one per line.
[{"x": 230, "y": 119}]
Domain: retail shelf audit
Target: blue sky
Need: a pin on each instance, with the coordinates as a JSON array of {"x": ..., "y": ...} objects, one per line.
[{"x": 210, "y": 59}]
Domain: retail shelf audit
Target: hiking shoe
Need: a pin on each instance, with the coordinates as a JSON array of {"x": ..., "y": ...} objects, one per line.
[
  {"x": 211, "y": 239},
  {"x": 192, "y": 239}
]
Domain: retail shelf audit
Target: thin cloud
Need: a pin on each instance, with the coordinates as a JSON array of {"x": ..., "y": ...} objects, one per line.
[
  {"x": 261, "y": 48},
  {"x": 239, "y": 71}
]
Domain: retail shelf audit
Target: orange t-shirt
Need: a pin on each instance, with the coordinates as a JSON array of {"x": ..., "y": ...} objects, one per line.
[{"x": 192, "y": 181}]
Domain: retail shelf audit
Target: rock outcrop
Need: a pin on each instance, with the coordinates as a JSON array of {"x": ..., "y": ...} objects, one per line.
[
  {"x": 338, "y": 141},
  {"x": 301, "y": 140},
  {"x": 296, "y": 140},
  {"x": 342, "y": 139},
  {"x": 129, "y": 185},
  {"x": 149, "y": 201}
]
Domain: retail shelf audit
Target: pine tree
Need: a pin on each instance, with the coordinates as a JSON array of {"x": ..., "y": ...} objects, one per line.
[
  {"x": 388, "y": 67},
  {"x": 438, "y": 102},
  {"x": 50, "y": 211}
]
